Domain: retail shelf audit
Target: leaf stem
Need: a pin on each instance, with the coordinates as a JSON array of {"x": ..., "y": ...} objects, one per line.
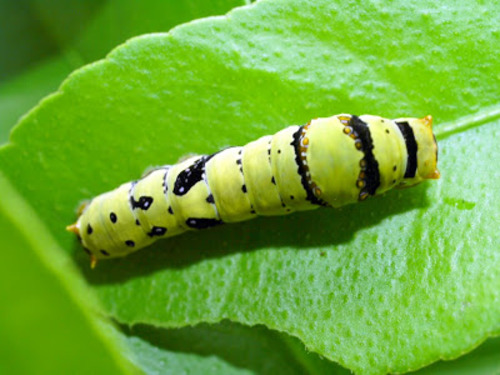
[{"x": 468, "y": 122}]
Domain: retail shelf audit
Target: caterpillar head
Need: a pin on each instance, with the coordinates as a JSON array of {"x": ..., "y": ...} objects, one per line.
[
  {"x": 107, "y": 227},
  {"x": 422, "y": 150}
]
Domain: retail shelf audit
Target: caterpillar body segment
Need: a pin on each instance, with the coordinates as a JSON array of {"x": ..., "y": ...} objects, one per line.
[{"x": 328, "y": 162}]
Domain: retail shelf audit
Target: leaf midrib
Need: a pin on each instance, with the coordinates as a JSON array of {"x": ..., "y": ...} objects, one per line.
[{"x": 464, "y": 123}]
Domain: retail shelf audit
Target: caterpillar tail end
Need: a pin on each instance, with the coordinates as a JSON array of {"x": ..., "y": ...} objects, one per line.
[
  {"x": 73, "y": 228},
  {"x": 427, "y": 120},
  {"x": 434, "y": 175}
]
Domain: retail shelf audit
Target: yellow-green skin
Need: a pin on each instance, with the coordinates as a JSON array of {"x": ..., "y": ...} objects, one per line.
[{"x": 330, "y": 161}]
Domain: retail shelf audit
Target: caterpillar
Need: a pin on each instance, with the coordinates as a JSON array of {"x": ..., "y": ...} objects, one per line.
[{"x": 328, "y": 162}]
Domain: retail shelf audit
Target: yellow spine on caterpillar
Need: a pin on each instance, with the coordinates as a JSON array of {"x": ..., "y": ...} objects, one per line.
[{"x": 328, "y": 162}]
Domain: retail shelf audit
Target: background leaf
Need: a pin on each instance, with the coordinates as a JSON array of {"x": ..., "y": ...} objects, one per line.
[
  {"x": 224, "y": 348},
  {"x": 24, "y": 91},
  {"x": 39, "y": 316},
  {"x": 227, "y": 348},
  {"x": 389, "y": 285},
  {"x": 73, "y": 33},
  {"x": 484, "y": 360}
]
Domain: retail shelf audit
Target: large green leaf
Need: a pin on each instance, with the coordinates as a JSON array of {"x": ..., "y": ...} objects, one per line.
[{"x": 389, "y": 285}]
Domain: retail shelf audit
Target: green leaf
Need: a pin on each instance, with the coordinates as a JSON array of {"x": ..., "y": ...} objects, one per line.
[
  {"x": 39, "y": 315},
  {"x": 389, "y": 285}
]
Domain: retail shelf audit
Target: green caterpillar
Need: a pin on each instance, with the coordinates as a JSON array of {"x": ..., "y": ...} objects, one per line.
[{"x": 327, "y": 162}]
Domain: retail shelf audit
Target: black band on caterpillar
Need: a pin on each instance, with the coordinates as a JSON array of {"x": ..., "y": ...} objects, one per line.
[
  {"x": 302, "y": 168},
  {"x": 411, "y": 147},
  {"x": 372, "y": 179}
]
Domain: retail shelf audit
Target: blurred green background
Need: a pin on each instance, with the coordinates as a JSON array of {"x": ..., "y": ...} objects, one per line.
[
  {"x": 42, "y": 328},
  {"x": 43, "y": 41}
]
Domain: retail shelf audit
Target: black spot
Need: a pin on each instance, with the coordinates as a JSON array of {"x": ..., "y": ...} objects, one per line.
[
  {"x": 288, "y": 210},
  {"x": 411, "y": 148},
  {"x": 89, "y": 229},
  {"x": 170, "y": 211},
  {"x": 273, "y": 180},
  {"x": 394, "y": 168},
  {"x": 210, "y": 199},
  {"x": 241, "y": 170},
  {"x": 393, "y": 181},
  {"x": 87, "y": 250},
  {"x": 104, "y": 252},
  {"x": 279, "y": 151},
  {"x": 239, "y": 152},
  {"x": 238, "y": 161},
  {"x": 112, "y": 217},
  {"x": 244, "y": 188},
  {"x": 202, "y": 223},
  {"x": 157, "y": 231},
  {"x": 269, "y": 151},
  {"x": 387, "y": 131},
  {"x": 283, "y": 204},
  {"x": 292, "y": 197},
  {"x": 252, "y": 212},
  {"x": 372, "y": 172},
  {"x": 130, "y": 243},
  {"x": 191, "y": 175},
  {"x": 143, "y": 203},
  {"x": 137, "y": 222}
]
